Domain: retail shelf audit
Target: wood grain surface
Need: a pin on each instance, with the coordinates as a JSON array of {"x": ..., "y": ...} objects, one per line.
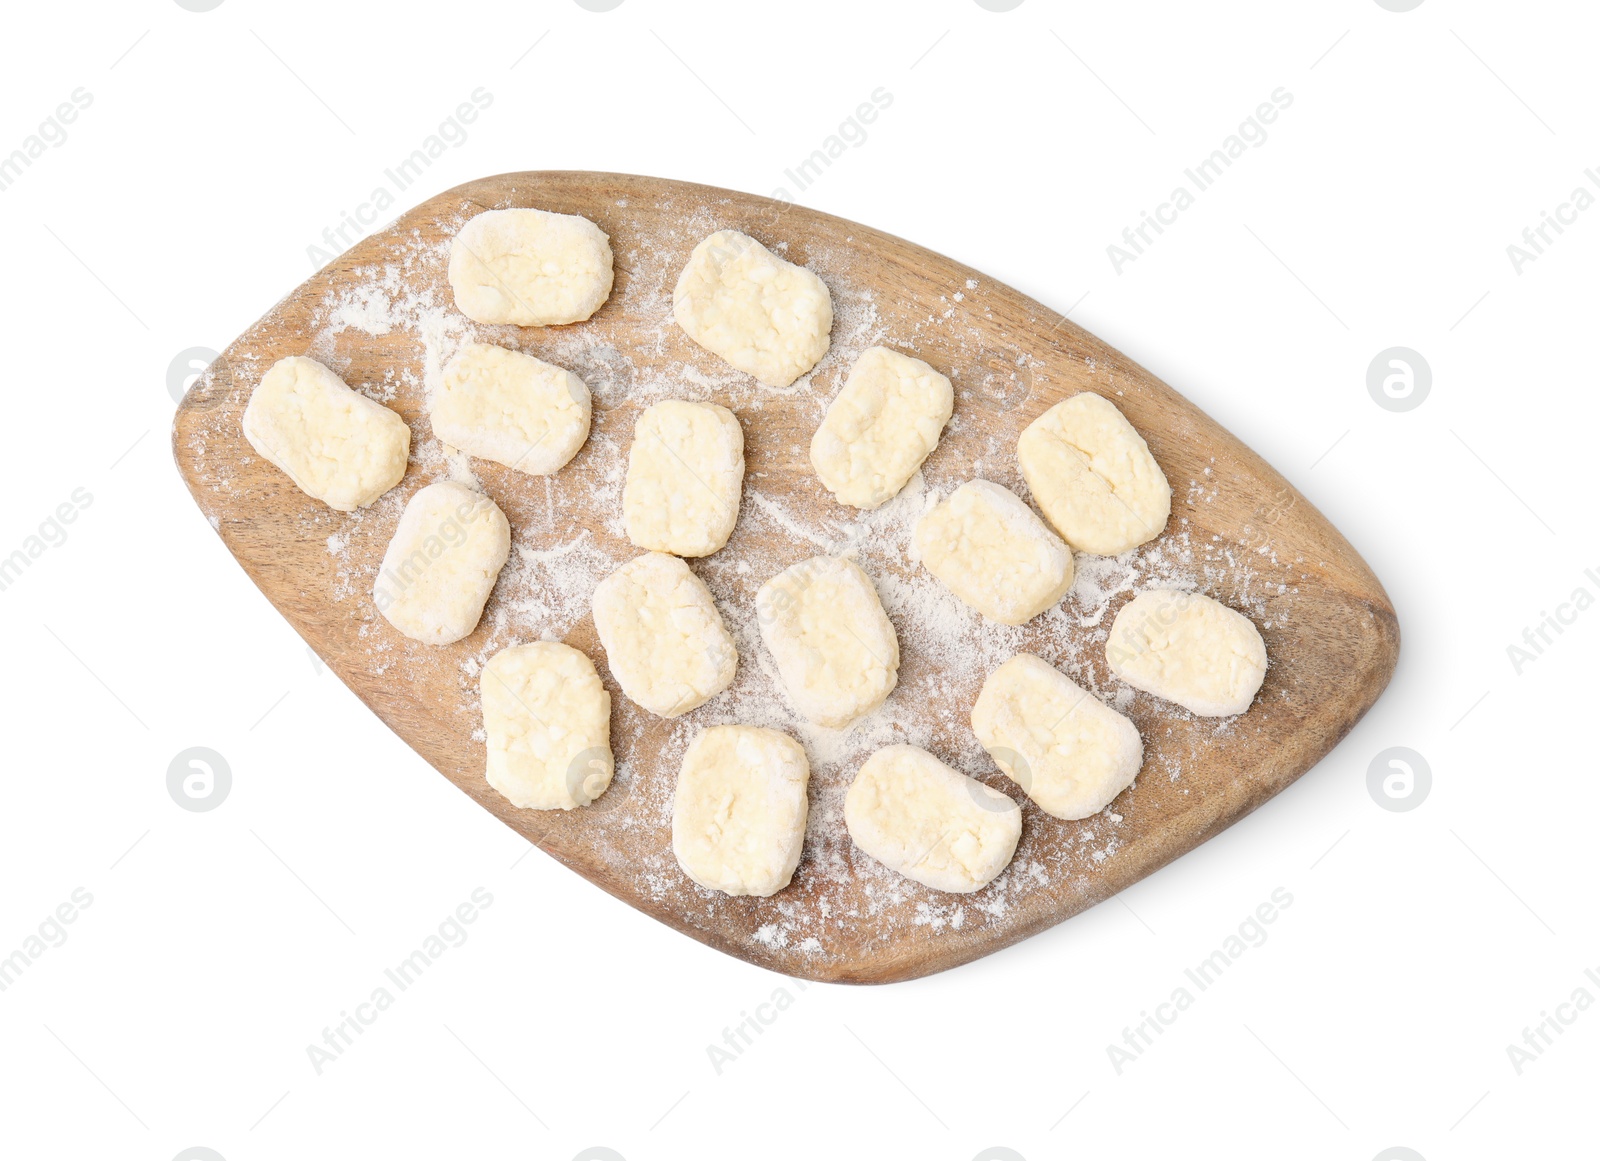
[{"x": 382, "y": 316}]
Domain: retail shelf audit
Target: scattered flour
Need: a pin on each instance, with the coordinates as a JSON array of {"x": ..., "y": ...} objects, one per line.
[{"x": 391, "y": 335}]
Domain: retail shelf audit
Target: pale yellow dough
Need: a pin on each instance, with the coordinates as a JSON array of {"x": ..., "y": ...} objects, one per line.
[
  {"x": 337, "y": 445},
  {"x": 685, "y": 474},
  {"x": 739, "y": 811},
  {"x": 530, "y": 267},
  {"x": 1189, "y": 649},
  {"x": 547, "y": 719},
  {"x": 834, "y": 647},
  {"x": 1069, "y": 751},
  {"x": 1093, "y": 476},
  {"x": 884, "y": 422},
  {"x": 766, "y": 317},
  {"x": 663, "y": 637},
  {"x": 441, "y": 565},
  {"x": 511, "y": 408},
  {"x": 932, "y": 824},
  {"x": 989, "y": 549}
]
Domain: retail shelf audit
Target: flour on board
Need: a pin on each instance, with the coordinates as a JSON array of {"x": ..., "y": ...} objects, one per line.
[{"x": 567, "y": 536}]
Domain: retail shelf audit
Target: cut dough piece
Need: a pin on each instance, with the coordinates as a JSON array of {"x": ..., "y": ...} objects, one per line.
[
  {"x": 989, "y": 549},
  {"x": 548, "y": 723},
  {"x": 923, "y": 820},
  {"x": 739, "y": 814},
  {"x": 663, "y": 636},
  {"x": 880, "y": 427},
  {"x": 685, "y": 472},
  {"x": 767, "y": 317},
  {"x": 1068, "y": 750},
  {"x": 442, "y": 563},
  {"x": 1094, "y": 477},
  {"x": 1187, "y": 648},
  {"x": 834, "y": 647},
  {"x": 511, "y": 408},
  {"x": 337, "y": 445},
  {"x": 530, "y": 267}
]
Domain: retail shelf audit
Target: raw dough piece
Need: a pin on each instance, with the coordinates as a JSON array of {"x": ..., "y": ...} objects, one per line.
[
  {"x": 685, "y": 471},
  {"x": 767, "y": 317},
  {"x": 923, "y": 820},
  {"x": 1094, "y": 477},
  {"x": 442, "y": 563},
  {"x": 663, "y": 636},
  {"x": 1189, "y": 649},
  {"x": 1068, "y": 750},
  {"x": 337, "y": 445},
  {"x": 548, "y": 723},
  {"x": 827, "y": 632},
  {"x": 880, "y": 427},
  {"x": 511, "y": 408},
  {"x": 530, "y": 267},
  {"x": 739, "y": 814},
  {"x": 989, "y": 549}
]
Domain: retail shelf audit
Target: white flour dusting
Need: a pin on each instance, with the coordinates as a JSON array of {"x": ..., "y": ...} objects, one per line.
[{"x": 568, "y": 535}]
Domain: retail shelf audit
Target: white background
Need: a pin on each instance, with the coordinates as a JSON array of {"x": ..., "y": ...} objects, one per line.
[{"x": 219, "y": 145}]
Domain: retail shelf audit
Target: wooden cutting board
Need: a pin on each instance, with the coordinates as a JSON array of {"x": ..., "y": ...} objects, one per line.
[{"x": 382, "y": 316}]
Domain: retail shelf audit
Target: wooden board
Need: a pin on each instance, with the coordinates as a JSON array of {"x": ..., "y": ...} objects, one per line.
[{"x": 382, "y": 316}]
